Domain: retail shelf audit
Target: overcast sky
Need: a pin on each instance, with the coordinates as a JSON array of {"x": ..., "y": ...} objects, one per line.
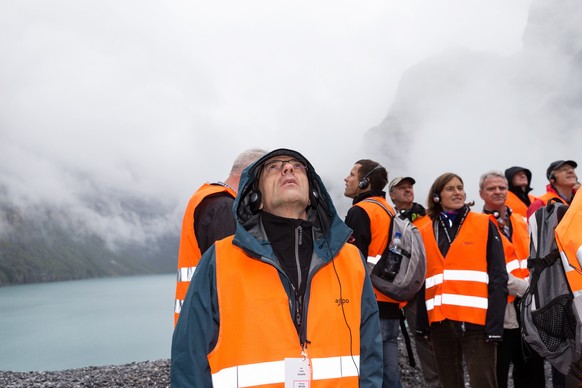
[{"x": 155, "y": 97}]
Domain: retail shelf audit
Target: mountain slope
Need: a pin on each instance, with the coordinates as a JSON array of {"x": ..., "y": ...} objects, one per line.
[{"x": 45, "y": 243}]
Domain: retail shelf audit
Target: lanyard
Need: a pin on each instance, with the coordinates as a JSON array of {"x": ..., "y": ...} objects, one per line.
[{"x": 446, "y": 228}]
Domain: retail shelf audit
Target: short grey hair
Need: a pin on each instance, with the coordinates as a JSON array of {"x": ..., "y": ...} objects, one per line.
[
  {"x": 491, "y": 174},
  {"x": 246, "y": 158}
]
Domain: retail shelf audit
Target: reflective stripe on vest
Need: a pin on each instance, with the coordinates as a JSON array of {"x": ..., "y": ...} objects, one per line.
[
  {"x": 257, "y": 332},
  {"x": 188, "y": 251},
  {"x": 185, "y": 274},
  {"x": 456, "y": 286},
  {"x": 274, "y": 372}
]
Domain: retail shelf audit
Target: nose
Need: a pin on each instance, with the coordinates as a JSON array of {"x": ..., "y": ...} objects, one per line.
[{"x": 287, "y": 166}]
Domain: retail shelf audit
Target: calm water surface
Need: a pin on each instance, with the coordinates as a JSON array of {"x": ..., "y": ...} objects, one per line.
[{"x": 56, "y": 326}]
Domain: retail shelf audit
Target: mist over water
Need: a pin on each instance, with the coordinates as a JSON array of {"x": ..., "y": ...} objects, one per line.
[{"x": 64, "y": 325}]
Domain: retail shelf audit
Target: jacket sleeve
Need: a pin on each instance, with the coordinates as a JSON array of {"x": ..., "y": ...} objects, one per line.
[
  {"x": 359, "y": 221},
  {"x": 196, "y": 331},
  {"x": 497, "y": 287},
  {"x": 370, "y": 338},
  {"x": 422, "y": 326},
  {"x": 214, "y": 220}
]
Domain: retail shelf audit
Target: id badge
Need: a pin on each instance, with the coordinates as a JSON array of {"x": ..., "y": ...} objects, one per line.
[{"x": 297, "y": 372}]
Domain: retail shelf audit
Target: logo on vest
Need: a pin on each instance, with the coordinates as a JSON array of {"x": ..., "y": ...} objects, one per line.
[{"x": 341, "y": 301}]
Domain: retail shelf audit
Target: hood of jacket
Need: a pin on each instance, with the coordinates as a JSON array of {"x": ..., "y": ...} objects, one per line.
[
  {"x": 330, "y": 233},
  {"x": 510, "y": 172}
]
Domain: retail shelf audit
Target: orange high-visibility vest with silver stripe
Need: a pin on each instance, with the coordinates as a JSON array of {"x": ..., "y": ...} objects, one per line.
[
  {"x": 189, "y": 253},
  {"x": 456, "y": 285},
  {"x": 516, "y": 205},
  {"x": 257, "y": 333},
  {"x": 379, "y": 227},
  {"x": 569, "y": 241},
  {"x": 515, "y": 251}
]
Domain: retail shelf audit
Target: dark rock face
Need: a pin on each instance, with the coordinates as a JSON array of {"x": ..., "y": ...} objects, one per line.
[{"x": 471, "y": 105}]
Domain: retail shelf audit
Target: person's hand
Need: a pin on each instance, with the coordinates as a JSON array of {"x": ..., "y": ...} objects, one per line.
[{"x": 516, "y": 286}]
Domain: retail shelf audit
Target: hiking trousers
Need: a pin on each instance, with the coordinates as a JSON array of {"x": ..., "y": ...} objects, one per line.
[
  {"x": 454, "y": 341},
  {"x": 423, "y": 347},
  {"x": 528, "y": 369}
]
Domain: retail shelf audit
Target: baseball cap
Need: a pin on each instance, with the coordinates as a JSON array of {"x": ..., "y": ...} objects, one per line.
[
  {"x": 398, "y": 180},
  {"x": 557, "y": 164}
]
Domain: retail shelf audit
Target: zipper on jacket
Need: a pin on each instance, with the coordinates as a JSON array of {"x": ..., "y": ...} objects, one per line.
[
  {"x": 298, "y": 238},
  {"x": 298, "y": 310}
]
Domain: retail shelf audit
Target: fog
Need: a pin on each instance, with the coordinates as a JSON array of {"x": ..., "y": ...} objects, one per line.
[{"x": 152, "y": 99}]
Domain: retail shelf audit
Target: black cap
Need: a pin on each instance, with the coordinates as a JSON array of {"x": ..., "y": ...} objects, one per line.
[
  {"x": 511, "y": 171},
  {"x": 557, "y": 164}
]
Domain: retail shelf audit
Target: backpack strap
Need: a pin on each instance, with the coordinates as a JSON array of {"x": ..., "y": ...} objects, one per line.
[
  {"x": 379, "y": 204},
  {"x": 537, "y": 265},
  {"x": 391, "y": 228},
  {"x": 411, "y": 360}
]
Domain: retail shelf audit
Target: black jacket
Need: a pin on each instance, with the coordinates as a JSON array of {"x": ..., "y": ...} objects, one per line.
[{"x": 213, "y": 220}]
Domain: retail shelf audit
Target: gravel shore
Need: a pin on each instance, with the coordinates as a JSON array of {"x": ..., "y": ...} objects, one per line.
[
  {"x": 157, "y": 374},
  {"x": 139, "y": 374}
]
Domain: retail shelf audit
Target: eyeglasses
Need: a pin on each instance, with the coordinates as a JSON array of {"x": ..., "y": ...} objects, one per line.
[{"x": 276, "y": 165}]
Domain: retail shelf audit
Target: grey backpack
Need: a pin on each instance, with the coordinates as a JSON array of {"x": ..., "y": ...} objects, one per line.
[
  {"x": 411, "y": 272},
  {"x": 548, "y": 321}
]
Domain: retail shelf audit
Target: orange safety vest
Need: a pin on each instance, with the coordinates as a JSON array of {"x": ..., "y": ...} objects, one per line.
[
  {"x": 549, "y": 195},
  {"x": 515, "y": 251},
  {"x": 516, "y": 205},
  {"x": 379, "y": 227},
  {"x": 257, "y": 333},
  {"x": 456, "y": 285},
  {"x": 420, "y": 222},
  {"x": 189, "y": 253},
  {"x": 569, "y": 240}
]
